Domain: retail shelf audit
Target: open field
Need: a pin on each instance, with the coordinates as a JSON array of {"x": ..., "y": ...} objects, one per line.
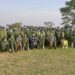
[{"x": 38, "y": 62}]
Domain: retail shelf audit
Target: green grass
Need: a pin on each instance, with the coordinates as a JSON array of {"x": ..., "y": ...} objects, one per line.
[{"x": 38, "y": 62}]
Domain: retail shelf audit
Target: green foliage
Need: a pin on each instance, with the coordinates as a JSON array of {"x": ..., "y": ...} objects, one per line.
[
  {"x": 15, "y": 25},
  {"x": 49, "y": 24},
  {"x": 69, "y": 12},
  {"x": 72, "y": 4},
  {"x": 65, "y": 10}
]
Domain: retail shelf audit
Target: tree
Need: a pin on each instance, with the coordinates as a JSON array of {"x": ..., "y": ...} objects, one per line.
[
  {"x": 49, "y": 24},
  {"x": 15, "y": 25},
  {"x": 68, "y": 13}
]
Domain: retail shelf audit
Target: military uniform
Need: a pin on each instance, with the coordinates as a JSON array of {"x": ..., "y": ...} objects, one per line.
[
  {"x": 11, "y": 41},
  {"x": 19, "y": 43},
  {"x": 3, "y": 36},
  {"x": 47, "y": 38},
  {"x": 25, "y": 43},
  {"x": 4, "y": 45},
  {"x": 52, "y": 41},
  {"x": 33, "y": 41}
]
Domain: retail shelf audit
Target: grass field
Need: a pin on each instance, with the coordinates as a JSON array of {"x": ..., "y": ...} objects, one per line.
[{"x": 38, "y": 62}]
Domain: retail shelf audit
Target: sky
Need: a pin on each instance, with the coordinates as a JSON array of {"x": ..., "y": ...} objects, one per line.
[{"x": 30, "y": 12}]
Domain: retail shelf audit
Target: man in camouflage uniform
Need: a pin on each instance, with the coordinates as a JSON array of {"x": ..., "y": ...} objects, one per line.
[
  {"x": 72, "y": 36},
  {"x": 11, "y": 41},
  {"x": 4, "y": 45},
  {"x": 47, "y": 38},
  {"x": 33, "y": 41},
  {"x": 19, "y": 43},
  {"x": 3, "y": 36},
  {"x": 62, "y": 38},
  {"x": 25, "y": 42},
  {"x": 52, "y": 41},
  {"x": 42, "y": 39},
  {"x": 58, "y": 37}
]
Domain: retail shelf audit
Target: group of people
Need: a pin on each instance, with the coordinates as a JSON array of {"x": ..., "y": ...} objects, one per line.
[{"x": 25, "y": 38}]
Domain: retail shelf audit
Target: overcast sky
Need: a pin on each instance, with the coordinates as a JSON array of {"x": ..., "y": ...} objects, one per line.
[{"x": 30, "y": 12}]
